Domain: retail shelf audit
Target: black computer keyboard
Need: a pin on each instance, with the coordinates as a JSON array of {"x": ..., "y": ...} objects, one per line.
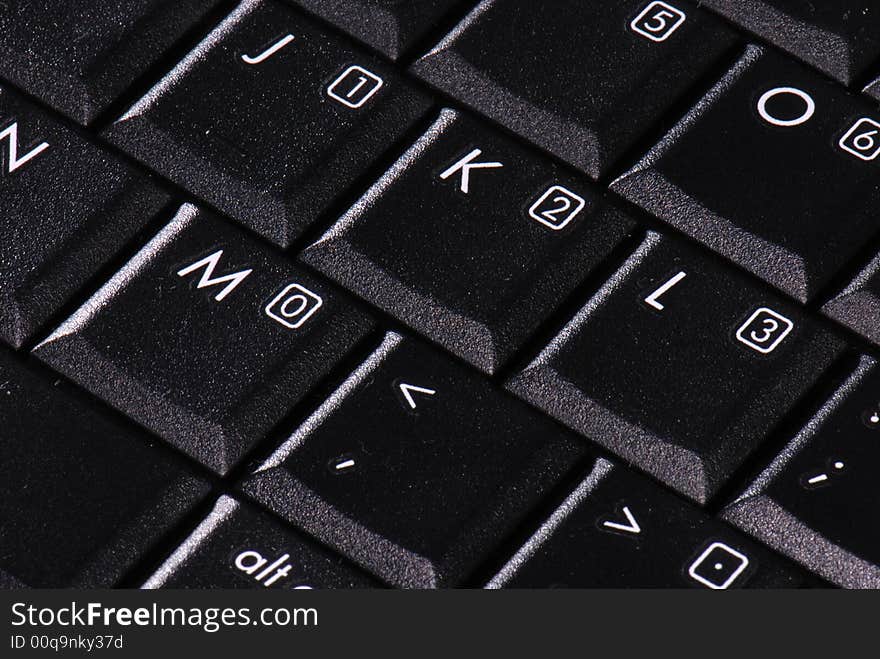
[{"x": 369, "y": 293}]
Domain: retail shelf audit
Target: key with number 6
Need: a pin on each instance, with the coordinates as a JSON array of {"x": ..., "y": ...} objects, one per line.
[{"x": 776, "y": 168}]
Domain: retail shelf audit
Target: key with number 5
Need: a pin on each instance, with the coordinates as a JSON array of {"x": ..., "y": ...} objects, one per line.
[
  {"x": 776, "y": 169},
  {"x": 679, "y": 364}
]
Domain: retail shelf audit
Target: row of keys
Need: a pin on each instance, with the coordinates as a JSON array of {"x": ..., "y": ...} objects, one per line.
[{"x": 397, "y": 474}]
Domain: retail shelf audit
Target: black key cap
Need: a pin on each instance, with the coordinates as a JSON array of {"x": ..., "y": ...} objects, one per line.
[
  {"x": 205, "y": 337},
  {"x": 679, "y": 364},
  {"x": 389, "y": 26},
  {"x": 269, "y": 119},
  {"x": 82, "y": 497},
  {"x": 80, "y": 55},
  {"x": 581, "y": 79},
  {"x": 68, "y": 206},
  {"x": 840, "y": 37},
  {"x": 776, "y": 168},
  {"x": 818, "y": 502},
  {"x": 240, "y": 546},
  {"x": 415, "y": 468},
  {"x": 858, "y": 305},
  {"x": 620, "y": 530},
  {"x": 470, "y": 239}
]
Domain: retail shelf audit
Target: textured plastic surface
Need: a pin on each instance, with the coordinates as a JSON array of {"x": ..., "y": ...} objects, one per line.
[
  {"x": 688, "y": 391},
  {"x": 417, "y": 487},
  {"x": 786, "y": 202},
  {"x": 210, "y": 376},
  {"x": 476, "y": 271},
  {"x": 262, "y": 139},
  {"x": 81, "y": 497},
  {"x": 67, "y": 208},
  {"x": 80, "y": 55},
  {"x": 572, "y": 77}
]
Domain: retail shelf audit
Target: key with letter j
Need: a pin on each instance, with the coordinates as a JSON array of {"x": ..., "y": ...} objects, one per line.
[
  {"x": 680, "y": 364},
  {"x": 206, "y": 337},
  {"x": 270, "y": 118}
]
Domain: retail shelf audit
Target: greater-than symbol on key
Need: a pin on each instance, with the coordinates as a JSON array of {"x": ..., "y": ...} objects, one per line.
[
  {"x": 465, "y": 165},
  {"x": 266, "y": 54},
  {"x": 653, "y": 300},
  {"x": 409, "y": 389},
  {"x": 630, "y": 527}
]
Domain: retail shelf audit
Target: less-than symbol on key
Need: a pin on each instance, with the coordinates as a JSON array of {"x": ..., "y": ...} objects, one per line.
[
  {"x": 266, "y": 54},
  {"x": 409, "y": 389},
  {"x": 465, "y": 165}
]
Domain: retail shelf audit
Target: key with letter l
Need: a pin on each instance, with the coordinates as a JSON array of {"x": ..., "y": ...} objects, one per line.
[
  {"x": 270, "y": 118},
  {"x": 206, "y": 337},
  {"x": 416, "y": 468},
  {"x": 732, "y": 173},
  {"x": 686, "y": 392},
  {"x": 583, "y": 80}
]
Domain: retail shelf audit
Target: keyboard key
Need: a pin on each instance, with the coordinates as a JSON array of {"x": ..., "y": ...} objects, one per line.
[
  {"x": 620, "y": 530},
  {"x": 818, "y": 501},
  {"x": 68, "y": 207},
  {"x": 858, "y": 305},
  {"x": 79, "y": 56},
  {"x": 389, "y": 26},
  {"x": 583, "y": 80},
  {"x": 776, "y": 169},
  {"x": 842, "y": 37},
  {"x": 269, "y": 119},
  {"x": 470, "y": 239},
  {"x": 416, "y": 468},
  {"x": 239, "y": 546},
  {"x": 82, "y": 497},
  {"x": 206, "y": 337},
  {"x": 679, "y": 364}
]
